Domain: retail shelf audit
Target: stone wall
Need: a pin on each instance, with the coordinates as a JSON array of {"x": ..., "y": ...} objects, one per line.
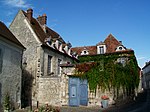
[
  {"x": 22, "y": 30},
  {"x": 93, "y": 99},
  {"x": 49, "y": 91},
  {"x": 36, "y": 59},
  {"x": 10, "y": 76}
]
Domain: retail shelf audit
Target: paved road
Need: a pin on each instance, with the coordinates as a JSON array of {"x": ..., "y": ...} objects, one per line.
[{"x": 142, "y": 104}]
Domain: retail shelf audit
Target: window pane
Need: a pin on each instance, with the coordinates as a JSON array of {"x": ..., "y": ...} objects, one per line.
[
  {"x": 59, "y": 62},
  {"x": 101, "y": 50},
  {"x": 49, "y": 65}
]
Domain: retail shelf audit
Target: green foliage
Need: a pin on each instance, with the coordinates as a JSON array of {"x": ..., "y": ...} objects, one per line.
[
  {"x": 6, "y": 102},
  {"x": 108, "y": 73},
  {"x": 47, "y": 108}
]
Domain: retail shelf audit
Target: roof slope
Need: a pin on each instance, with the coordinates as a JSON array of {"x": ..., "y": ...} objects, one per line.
[
  {"x": 5, "y": 32},
  {"x": 42, "y": 32},
  {"x": 111, "y": 43},
  {"x": 37, "y": 28},
  {"x": 91, "y": 50}
]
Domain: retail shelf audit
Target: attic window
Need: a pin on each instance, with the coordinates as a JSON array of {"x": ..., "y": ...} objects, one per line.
[
  {"x": 84, "y": 52},
  {"x": 101, "y": 49},
  {"x": 120, "y": 48}
]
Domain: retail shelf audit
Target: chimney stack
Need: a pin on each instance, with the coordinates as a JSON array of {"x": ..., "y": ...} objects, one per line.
[
  {"x": 42, "y": 19},
  {"x": 29, "y": 14},
  {"x": 120, "y": 42}
]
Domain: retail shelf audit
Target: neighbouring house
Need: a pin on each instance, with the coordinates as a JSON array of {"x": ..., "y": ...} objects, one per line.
[
  {"x": 11, "y": 51},
  {"x": 103, "y": 52},
  {"x": 146, "y": 76},
  {"x": 45, "y": 52}
]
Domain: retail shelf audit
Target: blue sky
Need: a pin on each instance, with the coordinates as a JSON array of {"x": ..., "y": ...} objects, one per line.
[{"x": 87, "y": 22}]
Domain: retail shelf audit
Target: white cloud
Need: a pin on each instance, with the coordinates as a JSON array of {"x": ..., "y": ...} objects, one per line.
[{"x": 17, "y": 3}]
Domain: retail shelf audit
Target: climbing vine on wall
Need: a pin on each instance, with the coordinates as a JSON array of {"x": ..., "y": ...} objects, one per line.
[{"x": 105, "y": 71}]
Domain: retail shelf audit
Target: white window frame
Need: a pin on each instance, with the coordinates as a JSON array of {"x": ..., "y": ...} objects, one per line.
[{"x": 101, "y": 49}]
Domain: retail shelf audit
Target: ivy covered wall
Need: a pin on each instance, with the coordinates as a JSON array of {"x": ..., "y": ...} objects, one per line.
[{"x": 105, "y": 71}]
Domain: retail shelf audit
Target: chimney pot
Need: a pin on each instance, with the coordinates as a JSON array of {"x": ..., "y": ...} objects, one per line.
[
  {"x": 120, "y": 42},
  {"x": 42, "y": 19}
]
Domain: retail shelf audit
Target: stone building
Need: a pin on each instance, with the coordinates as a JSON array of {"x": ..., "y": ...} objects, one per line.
[
  {"x": 11, "y": 51},
  {"x": 45, "y": 51},
  {"x": 79, "y": 92},
  {"x": 146, "y": 76}
]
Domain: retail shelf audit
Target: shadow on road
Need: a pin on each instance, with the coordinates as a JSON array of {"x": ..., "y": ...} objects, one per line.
[{"x": 141, "y": 104}]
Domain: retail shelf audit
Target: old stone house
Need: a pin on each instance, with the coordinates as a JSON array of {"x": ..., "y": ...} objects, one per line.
[
  {"x": 45, "y": 51},
  {"x": 78, "y": 89},
  {"x": 11, "y": 51}
]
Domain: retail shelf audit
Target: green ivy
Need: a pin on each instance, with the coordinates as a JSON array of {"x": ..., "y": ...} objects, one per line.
[{"x": 107, "y": 73}]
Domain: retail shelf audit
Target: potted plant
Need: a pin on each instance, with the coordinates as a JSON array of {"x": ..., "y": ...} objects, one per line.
[{"x": 104, "y": 101}]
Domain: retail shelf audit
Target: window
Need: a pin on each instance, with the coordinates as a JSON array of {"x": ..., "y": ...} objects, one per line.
[
  {"x": 1, "y": 60},
  {"x": 122, "y": 61},
  {"x": 84, "y": 52},
  {"x": 101, "y": 49},
  {"x": 59, "y": 69},
  {"x": 120, "y": 48},
  {"x": 49, "y": 65}
]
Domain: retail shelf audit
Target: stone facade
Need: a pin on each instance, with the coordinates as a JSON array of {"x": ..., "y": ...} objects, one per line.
[
  {"x": 44, "y": 53},
  {"x": 93, "y": 99},
  {"x": 49, "y": 90},
  {"x": 10, "y": 71}
]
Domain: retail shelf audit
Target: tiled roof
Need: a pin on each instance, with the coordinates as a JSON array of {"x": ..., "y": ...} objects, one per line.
[
  {"x": 6, "y": 33},
  {"x": 44, "y": 32},
  {"x": 111, "y": 43},
  {"x": 39, "y": 30},
  {"x": 91, "y": 49}
]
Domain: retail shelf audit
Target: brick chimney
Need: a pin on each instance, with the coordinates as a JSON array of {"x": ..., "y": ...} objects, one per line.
[
  {"x": 29, "y": 14},
  {"x": 42, "y": 19}
]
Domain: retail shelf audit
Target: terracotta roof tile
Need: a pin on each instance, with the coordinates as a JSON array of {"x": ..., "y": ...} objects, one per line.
[
  {"x": 90, "y": 49},
  {"x": 111, "y": 43},
  {"x": 39, "y": 30},
  {"x": 44, "y": 32},
  {"x": 5, "y": 32}
]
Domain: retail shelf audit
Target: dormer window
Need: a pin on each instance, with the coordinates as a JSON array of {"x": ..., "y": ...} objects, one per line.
[
  {"x": 120, "y": 48},
  {"x": 84, "y": 52},
  {"x": 101, "y": 49}
]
